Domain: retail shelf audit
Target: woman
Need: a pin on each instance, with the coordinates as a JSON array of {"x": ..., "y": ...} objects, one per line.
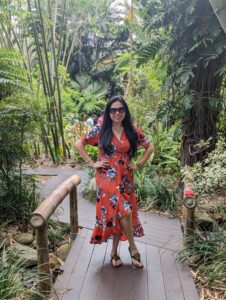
[{"x": 116, "y": 207}]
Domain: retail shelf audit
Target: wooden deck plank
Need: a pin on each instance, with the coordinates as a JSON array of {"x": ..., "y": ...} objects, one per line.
[
  {"x": 161, "y": 244},
  {"x": 171, "y": 277},
  {"x": 79, "y": 271},
  {"x": 155, "y": 218},
  {"x": 187, "y": 283},
  {"x": 140, "y": 289},
  {"x": 155, "y": 275},
  {"x": 162, "y": 223},
  {"x": 108, "y": 277},
  {"x": 91, "y": 282},
  {"x": 123, "y": 284},
  {"x": 62, "y": 280}
]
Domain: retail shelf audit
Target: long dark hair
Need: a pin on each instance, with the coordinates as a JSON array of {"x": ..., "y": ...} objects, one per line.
[{"x": 106, "y": 133}]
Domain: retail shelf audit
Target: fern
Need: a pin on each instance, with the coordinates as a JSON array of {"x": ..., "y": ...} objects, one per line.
[{"x": 12, "y": 76}]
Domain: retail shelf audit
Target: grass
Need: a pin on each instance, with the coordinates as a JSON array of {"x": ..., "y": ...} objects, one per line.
[
  {"x": 13, "y": 283},
  {"x": 155, "y": 193},
  {"x": 206, "y": 253}
]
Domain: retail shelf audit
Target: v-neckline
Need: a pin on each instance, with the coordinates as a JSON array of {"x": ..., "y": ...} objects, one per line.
[{"x": 120, "y": 137}]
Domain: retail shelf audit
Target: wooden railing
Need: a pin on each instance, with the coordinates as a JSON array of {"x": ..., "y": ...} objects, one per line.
[{"x": 39, "y": 221}]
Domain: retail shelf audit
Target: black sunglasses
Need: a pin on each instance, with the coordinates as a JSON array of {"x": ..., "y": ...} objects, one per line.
[{"x": 120, "y": 110}]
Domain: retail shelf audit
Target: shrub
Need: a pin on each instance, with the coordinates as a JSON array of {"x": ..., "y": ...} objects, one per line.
[
  {"x": 154, "y": 192},
  {"x": 17, "y": 191},
  {"x": 205, "y": 252},
  {"x": 210, "y": 174},
  {"x": 18, "y": 197}
]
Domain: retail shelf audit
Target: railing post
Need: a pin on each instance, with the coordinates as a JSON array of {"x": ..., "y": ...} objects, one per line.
[
  {"x": 74, "y": 212},
  {"x": 189, "y": 209},
  {"x": 39, "y": 221},
  {"x": 43, "y": 259}
]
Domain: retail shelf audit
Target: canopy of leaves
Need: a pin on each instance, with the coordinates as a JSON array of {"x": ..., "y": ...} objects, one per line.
[{"x": 192, "y": 41}]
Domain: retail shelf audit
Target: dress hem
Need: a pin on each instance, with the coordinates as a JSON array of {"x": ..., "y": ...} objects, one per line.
[{"x": 93, "y": 241}]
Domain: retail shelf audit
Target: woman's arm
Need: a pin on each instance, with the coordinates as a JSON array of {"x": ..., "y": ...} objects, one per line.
[
  {"x": 81, "y": 149},
  {"x": 149, "y": 149}
]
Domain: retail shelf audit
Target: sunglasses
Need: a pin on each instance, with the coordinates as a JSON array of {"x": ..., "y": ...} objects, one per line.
[{"x": 120, "y": 110}]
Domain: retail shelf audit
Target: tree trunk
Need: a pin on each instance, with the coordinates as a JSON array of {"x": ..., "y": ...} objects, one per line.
[{"x": 199, "y": 124}]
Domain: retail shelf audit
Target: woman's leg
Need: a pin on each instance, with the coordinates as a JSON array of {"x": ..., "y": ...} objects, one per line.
[
  {"x": 127, "y": 226},
  {"x": 114, "y": 250}
]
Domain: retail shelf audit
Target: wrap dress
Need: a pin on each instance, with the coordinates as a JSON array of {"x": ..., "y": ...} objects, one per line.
[{"x": 115, "y": 187}]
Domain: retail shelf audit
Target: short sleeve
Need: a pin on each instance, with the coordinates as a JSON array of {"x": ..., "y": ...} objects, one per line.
[
  {"x": 143, "y": 140},
  {"x": 91, "y": 137}
]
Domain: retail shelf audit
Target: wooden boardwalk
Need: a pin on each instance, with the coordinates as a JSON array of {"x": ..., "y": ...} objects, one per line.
[{"x": 88, "y": 274}]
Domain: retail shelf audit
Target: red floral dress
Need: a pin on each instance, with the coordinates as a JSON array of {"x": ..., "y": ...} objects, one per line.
[{"x": 115, "y": 187}]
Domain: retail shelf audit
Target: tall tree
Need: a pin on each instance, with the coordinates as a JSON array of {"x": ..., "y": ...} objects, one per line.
[{"x": 194, "y": 52}]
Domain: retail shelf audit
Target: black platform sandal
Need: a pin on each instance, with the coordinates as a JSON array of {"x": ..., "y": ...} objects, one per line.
[
  {"x": 136, "y": 257},
  {"x": 115, "y": 257}
]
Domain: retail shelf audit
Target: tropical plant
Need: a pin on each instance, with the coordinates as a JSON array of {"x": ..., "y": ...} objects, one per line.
[
  {"x": 206, "y": 253},
  {"x": 13, "y": 77},
  {"x": 210, "y": 174},
  {"x": 35, "y": 31},
  {"x": 90, "y": 94},
  {"x": 18, "y": 114},
  {"x": 155, "y": 192},
  {"x": 193, "y": 49}
]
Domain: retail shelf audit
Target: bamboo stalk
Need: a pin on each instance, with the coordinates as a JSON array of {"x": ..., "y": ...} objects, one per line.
[
  {"x": 74, "y": 212},
  {"x": 189, "y": 218},
  {"x": 48, "y": 143},
  {"x": 60, "y": 119},
  {"x": 40, "y": 58},
  {"x": 39, "y": 220},
  {"x": 43, "y": 35},
  {"x": 54, "y": 112},
  {"x": 43, "y": 260},
  {"x": 61, "y": 32},
  {"x": 42, "y": 214}
]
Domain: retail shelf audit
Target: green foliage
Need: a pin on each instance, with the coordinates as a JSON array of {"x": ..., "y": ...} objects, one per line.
[
  {"x": 90, "y": 94},
  {"x": 155, "y": 192},
  {"x": 101, "y": 34},
  {"x": 166, "y": 158},
  {"x": 11, "y": 284},
  {"x": 90, "y": 195},
  {"x": 17, "y": 193},
  {"x": 193, "y": 48},
  {"x": 210, "y": 174},
  {"x": 12, "y": 77},
  {"x": 57, "y": 231},
  {"x": 15, "y": 279},
  {"x": 148, "y": 52},
  {"x": 206, "y": 254},
  {"x": 18, "y": 197},
  {"x": 92, "y": 152},
  {"x": 124, "y": 62},
  {"x": 69, "y": 95}
]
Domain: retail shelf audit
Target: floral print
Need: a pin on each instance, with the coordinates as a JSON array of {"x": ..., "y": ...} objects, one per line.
[{"x": 115, "y": 187}]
